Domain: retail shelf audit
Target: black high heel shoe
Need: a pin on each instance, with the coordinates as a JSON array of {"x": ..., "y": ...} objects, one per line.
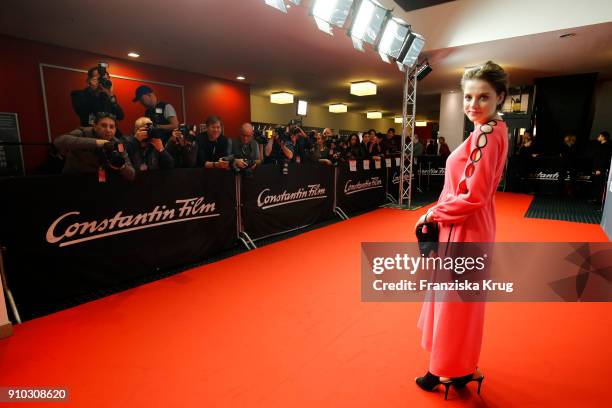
[
  {"x": 429, "y": 382},
  {"x": 461, "y": 382}
]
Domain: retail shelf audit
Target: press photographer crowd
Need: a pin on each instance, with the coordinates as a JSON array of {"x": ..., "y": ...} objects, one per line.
[
  {"x": 103, "y": 143},
  {"x": 157, "y": 140}
]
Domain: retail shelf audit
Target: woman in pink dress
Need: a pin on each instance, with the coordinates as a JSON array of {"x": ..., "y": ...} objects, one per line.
[{"x": 465, "y": 212}]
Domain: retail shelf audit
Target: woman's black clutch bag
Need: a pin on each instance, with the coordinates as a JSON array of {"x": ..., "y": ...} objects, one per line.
[{"x": 428, "y": 240}]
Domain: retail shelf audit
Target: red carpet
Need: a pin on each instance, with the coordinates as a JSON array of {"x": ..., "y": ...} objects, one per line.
[{"x": 283, "y": 326}]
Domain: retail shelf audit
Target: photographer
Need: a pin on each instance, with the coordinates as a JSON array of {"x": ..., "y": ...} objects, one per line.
[
  {"x": 320, "y": 151},
  {"x": 391, "y": 144},
  {"x": 244, "y": 151},
  {"x": 183, "y": 147},
  {"x": 212, "y": 146},
  {"x": 146, "y": 149},
  {"x": 95, "y": 149},
  {"x": 97, "y": 97},
  {"x": 354, "y": 149},
  {"x": 374, "y": 150},
  {"x": 279, "y": 148},
  {"x": 162, "y": 114}
]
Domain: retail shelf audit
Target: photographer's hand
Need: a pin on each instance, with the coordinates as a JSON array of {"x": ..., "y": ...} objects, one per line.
[
  {"x": 141, "y": 134},
  {"x": 222, "y": 164},
  {"x": 157, "y": 144},
  {"x": 240, "y": 163},
  {"x": 101, "y": 142}
]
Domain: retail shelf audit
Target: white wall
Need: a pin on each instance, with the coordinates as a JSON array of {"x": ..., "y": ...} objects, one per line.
[
  {"x": 475, "y": 21},
  {"x": 451, "y": 118},
  {"x": 318, "y": 116},
  {"x": 603, "y": 109}
]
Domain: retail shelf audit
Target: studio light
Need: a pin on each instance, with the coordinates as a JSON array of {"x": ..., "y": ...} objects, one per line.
[
  {"x": 411, "y": 49},
  {"x": 302, "y": 108},
  {"x": 393, "y": 37},
  {"x": 280, "y": 4},
  {"x": 374, "y": 115},
  {"x": 338, "y": 108},
  {"x": 368, "y": 23},
  {"x": 328, "y": 13},
  {"x": 423, "y": 70},
  {"x": 398, "y": 120},
  {"x": 281, "y": 98},
  {"x": 420, "y": 123},
  {"x": 363, "y": 88}
]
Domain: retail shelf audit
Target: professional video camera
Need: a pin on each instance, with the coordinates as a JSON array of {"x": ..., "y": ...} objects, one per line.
[
  {"x": 102, "y": 71},
  {"x": 111, "y": 155}
]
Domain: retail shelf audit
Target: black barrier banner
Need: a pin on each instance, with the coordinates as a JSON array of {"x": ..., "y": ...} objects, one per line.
[
  {"x": 274, "y": 202},
  {"x": 360, "y": 190},
  {"x": 70, "y": 237}
]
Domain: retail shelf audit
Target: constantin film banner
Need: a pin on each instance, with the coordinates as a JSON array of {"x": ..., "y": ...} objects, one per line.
[
  {"x": 70, "y": 237},
  {"x": 273, "y": 202}
]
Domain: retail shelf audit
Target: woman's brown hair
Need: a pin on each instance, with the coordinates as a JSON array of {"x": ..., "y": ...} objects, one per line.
[{"x": 491, "y": 73}]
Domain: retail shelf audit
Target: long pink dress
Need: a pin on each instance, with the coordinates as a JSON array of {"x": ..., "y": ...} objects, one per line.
[{"x": 465, "y": 212}]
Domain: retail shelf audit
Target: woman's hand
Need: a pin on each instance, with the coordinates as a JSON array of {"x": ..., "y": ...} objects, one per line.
[{"x": 424, "y": 219}]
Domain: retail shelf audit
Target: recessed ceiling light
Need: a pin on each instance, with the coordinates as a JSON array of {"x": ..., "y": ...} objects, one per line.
[
  {"x": 363, "y": 88},
  {"x": 567, "y": 35},
  {"x": 338, "y": 108},
  {"x": 133, "y": 54},
  {"x": 281, "y": 98},
  {"x": 240, "y": 78}
]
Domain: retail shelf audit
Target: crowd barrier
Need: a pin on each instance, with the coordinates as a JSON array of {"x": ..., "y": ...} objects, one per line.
[{"x": 70, "y": 238}]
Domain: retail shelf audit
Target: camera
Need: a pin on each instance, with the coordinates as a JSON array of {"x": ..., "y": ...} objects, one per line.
[
  {"x": 259, "y": 137},
  {"x": 186, "y": 131},
  {"x": 154, "y": 132},
  {"x": 283, "y": 136},
  {"x": 111, "y": 155},
  {"x": 102, "y": 71}
]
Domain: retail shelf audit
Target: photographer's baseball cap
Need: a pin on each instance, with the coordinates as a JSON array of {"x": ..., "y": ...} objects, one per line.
[{"x": 140, "y": 91}]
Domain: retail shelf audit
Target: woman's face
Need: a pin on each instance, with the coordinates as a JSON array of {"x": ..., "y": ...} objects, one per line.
[
  {"x": 480, "y": 100},
  {"x": 366, "y": 138},
  {"x": 354, "y": 140}
]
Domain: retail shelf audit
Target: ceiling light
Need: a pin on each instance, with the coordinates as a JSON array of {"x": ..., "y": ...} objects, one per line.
[
  {"x": 281, "y": 98},
  {"x": 374, "y": 115},
  {"x": 240, "y": 78},
  {"x": 393, "y": 37},
  {"x": 368, "y": 23},
  {"x": 302, "y": 108},
  {"x": 277, "y": 4},
  {"x": 411, "y": 49},
  {"x": 420, "y": 123},
  {"x": 338, "y": 108},
  {"x": 398, "y": 120},
  {"x": 363, "y": 88},
  {"x": 328, "y": 13},
  {"x": 133, "y": 54}
]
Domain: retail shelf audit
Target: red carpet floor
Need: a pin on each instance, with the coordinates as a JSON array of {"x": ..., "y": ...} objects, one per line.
[{"x": 283, "y": 326}]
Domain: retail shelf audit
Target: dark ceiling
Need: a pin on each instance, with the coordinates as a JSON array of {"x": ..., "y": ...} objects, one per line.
[{"x": 409, "y": 5}]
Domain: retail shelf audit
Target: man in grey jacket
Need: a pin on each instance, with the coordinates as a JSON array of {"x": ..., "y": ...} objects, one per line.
[{"x": 95, "y": 149}]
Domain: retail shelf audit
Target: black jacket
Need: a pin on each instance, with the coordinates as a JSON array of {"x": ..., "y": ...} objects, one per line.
[{"x": 86, "y": 103}]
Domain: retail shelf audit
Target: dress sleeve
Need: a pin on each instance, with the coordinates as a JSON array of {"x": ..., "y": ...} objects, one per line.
[{"x": 478, "y": 181}]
